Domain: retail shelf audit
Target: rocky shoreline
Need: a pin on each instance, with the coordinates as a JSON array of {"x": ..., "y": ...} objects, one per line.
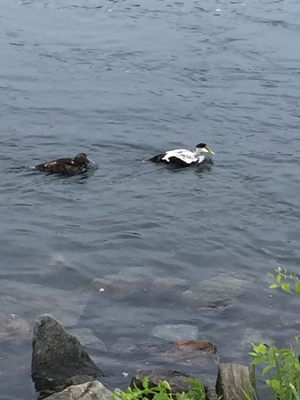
[{"x": 61, "y": 368}]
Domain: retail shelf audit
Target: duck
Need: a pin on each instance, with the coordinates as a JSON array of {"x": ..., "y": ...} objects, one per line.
[
  {"x": 66, "y": 166},
  {"x": 184, "y": 157}
]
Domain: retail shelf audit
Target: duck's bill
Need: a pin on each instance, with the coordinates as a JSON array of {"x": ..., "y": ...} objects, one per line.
[
  {"x": 209, "y": 150},
  {"x": 92, "y": 162}
]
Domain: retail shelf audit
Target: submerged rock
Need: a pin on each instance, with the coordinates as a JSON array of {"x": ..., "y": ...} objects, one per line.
[
  {"x": 189, "y": 353},
  {"x": 251, "y": 335},
  {"x": 174, "y": 332},
  {"x": 191, "y": 345},
  {"x": 68, "y": 305},
  {"x": 88, "y": 339},
  {"x": 87, "y": 391},
  {"x": 216, "y": 291},
  {"x": 58, "y": 359},
  {"x": 133, "y": 281},
  {"x": 13, "y": 327}
]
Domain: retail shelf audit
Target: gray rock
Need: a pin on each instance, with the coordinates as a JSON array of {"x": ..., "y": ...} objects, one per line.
[
  {"x": 216, "y": 291},
  {"x": 58, "y": 357},
  {"x": 175, "y": 332},
  {"x": 88, "y": 391}
]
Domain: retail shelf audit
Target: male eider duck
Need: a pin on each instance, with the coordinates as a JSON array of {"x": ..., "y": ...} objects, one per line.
[
  {"x": 66, "y": 166},
  {"x": 183, "y": 157}
]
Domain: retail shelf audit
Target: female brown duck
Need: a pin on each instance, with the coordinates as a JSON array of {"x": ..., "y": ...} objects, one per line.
[{"x": 66, "y": 166}]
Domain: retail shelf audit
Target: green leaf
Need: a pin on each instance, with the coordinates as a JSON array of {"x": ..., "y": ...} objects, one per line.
[
  {"x": 273, "y": 286},
  {"x": 146, "y": 382},
  {"x": 261, "y": 348},
  {"x": 286, "y": 287},
  {"x": 295, "y": 392},
  {"x": 274, "y": 384},
  {"x": 267, "y": 368},
  {"x": 256, "y": 361}
]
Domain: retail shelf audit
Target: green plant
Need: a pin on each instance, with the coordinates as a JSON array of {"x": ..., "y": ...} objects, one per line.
[
  {"x": 161, "y": 392},
  {"x": 282, "y": 366},
  {"x": 286, "y": 280},
  {"x": 250, "y": 395}
]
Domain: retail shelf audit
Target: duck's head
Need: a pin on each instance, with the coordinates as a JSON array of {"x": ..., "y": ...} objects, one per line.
[
  {"x": 203, "y": 148},
  {"x": 81, "y": 158}
]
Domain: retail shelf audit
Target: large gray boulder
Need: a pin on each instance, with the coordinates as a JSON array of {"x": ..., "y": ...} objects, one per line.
[
  {"x": 58, "y": 359},
  {"x": 87, "y": 391}
]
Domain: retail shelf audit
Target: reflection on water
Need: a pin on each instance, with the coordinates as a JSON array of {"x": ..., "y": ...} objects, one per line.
[{"x": 132, "y": 248}]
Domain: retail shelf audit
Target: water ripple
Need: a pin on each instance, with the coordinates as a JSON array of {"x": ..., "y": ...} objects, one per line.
[{"x": 123, "y": 80}]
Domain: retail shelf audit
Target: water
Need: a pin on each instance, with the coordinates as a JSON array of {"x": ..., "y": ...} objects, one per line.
[{"x": 121, "y": 81}]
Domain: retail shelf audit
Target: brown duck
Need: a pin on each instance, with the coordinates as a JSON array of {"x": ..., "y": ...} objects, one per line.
[{"x": 66, "y": 166}]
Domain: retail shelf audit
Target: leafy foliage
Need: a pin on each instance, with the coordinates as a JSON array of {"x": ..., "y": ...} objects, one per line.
[
  {"x": 161, "y": 392},
  {"x": 286, "y": 280},
  {"x": 282, "y": 367}
]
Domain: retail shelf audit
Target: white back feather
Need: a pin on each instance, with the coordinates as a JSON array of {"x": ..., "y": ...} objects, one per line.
[{"x": 184, "y": 155}]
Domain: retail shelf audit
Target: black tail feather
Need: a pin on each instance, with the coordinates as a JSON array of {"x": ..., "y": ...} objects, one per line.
[
  {"x": 40, "y": 167},
  {"x": 158, "y": 158}
]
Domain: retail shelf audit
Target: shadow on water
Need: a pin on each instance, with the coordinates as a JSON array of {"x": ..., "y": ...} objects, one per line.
[
  {"x": 206, "y": 166},
  {"x": 65, "y": 179}
]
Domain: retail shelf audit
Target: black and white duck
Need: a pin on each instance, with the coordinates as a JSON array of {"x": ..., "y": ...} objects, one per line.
[{"x": 183, "y": 157}]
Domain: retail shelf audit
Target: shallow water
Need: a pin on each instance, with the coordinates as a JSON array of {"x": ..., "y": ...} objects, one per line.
[{"x": 121, "y": 81}]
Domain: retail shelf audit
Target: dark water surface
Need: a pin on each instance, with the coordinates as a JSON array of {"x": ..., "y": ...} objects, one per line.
[{"x": 133, "y": 255}]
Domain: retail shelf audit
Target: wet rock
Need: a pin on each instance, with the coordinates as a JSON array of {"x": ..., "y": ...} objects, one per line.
[
  {"x": 58, "y": 357},
  {"x": 87, "y": 391},
  {"x": 216, "y": 291},
  {"x": 234, "y": 381},
  {"x": 178, "y": 381},
  {"x": 175, "y": 332},
  {"x": 13, "y": 327},
  {"x": 190, "y": 345}
]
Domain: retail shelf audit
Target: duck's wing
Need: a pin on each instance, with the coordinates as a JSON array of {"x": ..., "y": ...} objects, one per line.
[
  {"x": 178, "y": 156},
  {"x": 74, "y": 169},
  {"x": 158, "y": 158},
  {"x": 177, "y": 162},
  {"x": 201, "y": 158},
  {"x": 183, "y": 156},
  {"x": 55, "y": 165}
]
